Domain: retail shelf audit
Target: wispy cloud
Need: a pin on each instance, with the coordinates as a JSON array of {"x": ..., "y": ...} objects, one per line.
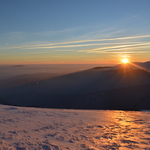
[
  {"x": 130, "y": 44},
  {"x": 119, "y": 47},
  {"x": 96, "y": 40},
  {"x": 16, "y": 35}
]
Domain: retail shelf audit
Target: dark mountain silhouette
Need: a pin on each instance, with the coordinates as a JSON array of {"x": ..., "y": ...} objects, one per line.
[
  {"x": 145, "y": 64},
  {"x": 124, "y": 87}
]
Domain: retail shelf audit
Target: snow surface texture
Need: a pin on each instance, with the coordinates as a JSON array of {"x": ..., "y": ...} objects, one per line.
[{"x": 54, "y": 129}]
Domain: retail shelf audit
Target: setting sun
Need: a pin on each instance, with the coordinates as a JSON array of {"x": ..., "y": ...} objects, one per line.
[{"x": 125, "y": 61}]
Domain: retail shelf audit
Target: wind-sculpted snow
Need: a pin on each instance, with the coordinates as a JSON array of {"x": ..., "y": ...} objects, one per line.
[{"x": 54, "y": 129}]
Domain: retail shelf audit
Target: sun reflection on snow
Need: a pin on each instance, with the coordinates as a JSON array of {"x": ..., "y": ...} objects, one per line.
[{"x": 124, "y": 132}]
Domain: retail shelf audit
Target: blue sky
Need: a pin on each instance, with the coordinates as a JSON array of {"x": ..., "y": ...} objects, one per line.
[{"x": 74, "y": 31}]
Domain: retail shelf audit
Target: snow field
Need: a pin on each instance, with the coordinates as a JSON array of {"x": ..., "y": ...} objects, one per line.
[{"x": 55, "y": 129}]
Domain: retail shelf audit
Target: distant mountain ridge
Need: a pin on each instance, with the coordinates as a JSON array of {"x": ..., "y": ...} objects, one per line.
[
  {"x": 145, "y": 64},
  {"x": 97, "y": 88}
]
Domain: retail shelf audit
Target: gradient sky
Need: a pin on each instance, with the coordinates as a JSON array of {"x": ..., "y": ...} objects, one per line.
[{"x": 74, "y": 31}]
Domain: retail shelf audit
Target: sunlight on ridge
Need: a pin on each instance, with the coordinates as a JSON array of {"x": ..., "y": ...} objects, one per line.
[
  {"x": 142, "y": 68},
  {"x": 126, "y": 61}
]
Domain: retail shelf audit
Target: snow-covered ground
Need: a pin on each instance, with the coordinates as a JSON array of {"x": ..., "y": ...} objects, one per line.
[{"x": 55, "y": 129}]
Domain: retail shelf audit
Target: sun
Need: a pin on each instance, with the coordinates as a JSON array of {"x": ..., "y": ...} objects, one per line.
[{"x": 125, "y": 60}]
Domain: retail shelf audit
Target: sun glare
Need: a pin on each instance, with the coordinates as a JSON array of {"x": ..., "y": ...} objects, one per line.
[{"x": 125, "y": 61}]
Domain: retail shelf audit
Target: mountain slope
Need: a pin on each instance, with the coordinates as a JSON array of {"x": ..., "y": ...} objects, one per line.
[
  {"x": 88, "y": 81},
  {"x": 77, "y": 90},
  {"x": 25, "y": 79}
]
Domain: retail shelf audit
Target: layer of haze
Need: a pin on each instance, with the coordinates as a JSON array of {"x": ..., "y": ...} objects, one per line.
[{"x": 8, "y": 71}]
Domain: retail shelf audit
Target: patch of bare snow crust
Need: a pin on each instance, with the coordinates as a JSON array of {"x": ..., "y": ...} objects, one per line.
[{"x": 55, "y": 129}]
